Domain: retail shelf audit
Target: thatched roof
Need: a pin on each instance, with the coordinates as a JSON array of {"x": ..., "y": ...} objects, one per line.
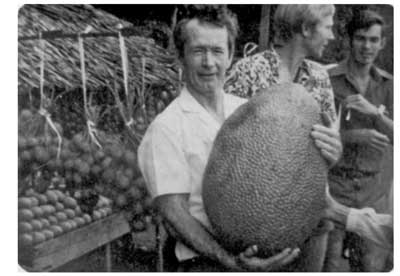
[{"x": 102, "y": 53}]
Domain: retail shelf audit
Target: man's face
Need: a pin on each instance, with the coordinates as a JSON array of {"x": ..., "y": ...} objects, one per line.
[
  {"x": 206, "y": 57},
  {"x": 320, "y": 36},
  {"x": 366, "y": 44}
]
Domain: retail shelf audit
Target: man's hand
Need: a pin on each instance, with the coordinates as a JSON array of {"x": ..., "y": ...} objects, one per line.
[
  {"x": 370, "y": 137},
  {"x": 249, "y": 262},
  {"x": 359, "y": 103},
  {"x": 327, "y": 138},
  {"x": 334, "y": 210}
]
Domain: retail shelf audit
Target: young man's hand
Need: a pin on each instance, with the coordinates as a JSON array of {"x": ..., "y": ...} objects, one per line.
[
  {"x": 327, "y": 138},
  {"x": 359, "y": 103},
  {"x": 374, "y": 139}
]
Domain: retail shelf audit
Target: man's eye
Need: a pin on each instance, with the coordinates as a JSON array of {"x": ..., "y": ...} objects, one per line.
[
  {"x": 374, "y": 40},
  {"x": 359, "y": 38},
  {"x": 197, "y": 51},
  {"x": 218, "y": 50}
]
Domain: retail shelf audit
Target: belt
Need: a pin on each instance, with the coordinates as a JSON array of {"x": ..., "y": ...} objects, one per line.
[{"x": 352, "y": 174}]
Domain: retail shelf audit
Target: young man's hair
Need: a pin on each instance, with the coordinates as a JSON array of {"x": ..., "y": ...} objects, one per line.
[
  {"x": 290, "y": 19},
  {"x": 364, "y": 19},
  {"x": 216, "y": 15}
]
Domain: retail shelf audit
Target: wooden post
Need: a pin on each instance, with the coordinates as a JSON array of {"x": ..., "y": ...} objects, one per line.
[
  {"x": 263, "y": 40},
  {"x": 108, "y": 257},
  {"x": 159, "y": 247},
  {"x": 173, "y": 24}
]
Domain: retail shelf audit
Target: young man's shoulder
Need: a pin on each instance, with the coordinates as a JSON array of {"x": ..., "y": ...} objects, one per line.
[
  {"x": 341, "y": 69},
  {"x": 384, "y": 74}
]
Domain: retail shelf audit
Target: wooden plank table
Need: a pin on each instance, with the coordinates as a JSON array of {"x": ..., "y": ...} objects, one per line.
[{"x": 53, "y": 253}]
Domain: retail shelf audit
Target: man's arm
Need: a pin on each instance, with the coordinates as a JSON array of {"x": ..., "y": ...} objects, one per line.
[
  {"x": 174, "y": 210},
  {"x": 375, "y": 227},
  {"x": 364, "y": 222},
  {"x": 382, "y": 122},
  {"x": 369, "y": 137}
]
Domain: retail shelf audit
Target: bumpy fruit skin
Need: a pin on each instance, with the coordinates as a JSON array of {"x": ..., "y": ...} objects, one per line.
[{"x": 264, "y": 183}]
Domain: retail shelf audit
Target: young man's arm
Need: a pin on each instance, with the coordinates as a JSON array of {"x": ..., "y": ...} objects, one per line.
[
  {"x": 385, "y": 125},
  {"x": 364, "y": 222},
  {"x": 375, "y": 227},
  {"x": 382, "y": 121},
  {"x": 370, "y": 137}
]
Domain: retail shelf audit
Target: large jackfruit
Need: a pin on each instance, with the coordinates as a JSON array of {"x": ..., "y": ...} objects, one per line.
[{"x": 265, "y": 180}]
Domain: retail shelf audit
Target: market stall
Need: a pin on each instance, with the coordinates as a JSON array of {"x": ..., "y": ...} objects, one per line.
[{"x": 88, "y": 88}]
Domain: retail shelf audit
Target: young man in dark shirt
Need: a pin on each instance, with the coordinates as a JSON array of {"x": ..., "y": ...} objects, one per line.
[{"x": 366, "y": 93}]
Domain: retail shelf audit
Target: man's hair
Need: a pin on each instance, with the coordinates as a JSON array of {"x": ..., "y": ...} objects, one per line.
[
  {"x": 364, "y": 19},
  {"x": 217, "y": 15},
  {"x": 289, "y": 19}
]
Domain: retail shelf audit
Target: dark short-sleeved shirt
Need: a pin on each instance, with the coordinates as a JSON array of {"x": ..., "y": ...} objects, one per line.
[
  {"x": 368, "y": 185},
  {"x": 251, "y": 74},
  {"x": 379, "y": 92}
]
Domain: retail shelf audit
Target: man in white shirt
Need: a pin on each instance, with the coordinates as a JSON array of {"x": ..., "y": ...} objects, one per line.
[{"x": 174, "y": 151}]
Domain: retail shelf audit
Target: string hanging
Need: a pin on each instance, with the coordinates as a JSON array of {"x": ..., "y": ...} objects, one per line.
[
  {"x": 42, "y": 109},
  {"x": 90, "y": 124}
]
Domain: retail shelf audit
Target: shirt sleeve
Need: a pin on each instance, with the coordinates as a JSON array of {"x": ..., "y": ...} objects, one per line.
[
  {"x": 319, "y": 85},
  {"x": 327, "y": 97},
  {"x": 250, "y": 74},
  {"x": 324, "y": 92},
  {"x": 238, "y": 79},
  {"x": 372, "y": 226},
  {"x": 389, "y": 99},
  {"x": 162, "y": 162}
]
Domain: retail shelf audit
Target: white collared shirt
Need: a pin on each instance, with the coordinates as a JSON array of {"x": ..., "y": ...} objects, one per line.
[
  {"x": 174, "y": 152},
  {"x": 371, "y": 226}
]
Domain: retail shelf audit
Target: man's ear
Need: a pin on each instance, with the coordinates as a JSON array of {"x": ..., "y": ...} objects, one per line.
[
  {"x": 230, "y": 58},
  {"x": 306, "y": 30},
  {"x": 383, "y": 43}
]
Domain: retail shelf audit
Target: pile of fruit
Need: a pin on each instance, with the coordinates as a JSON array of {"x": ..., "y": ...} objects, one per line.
[
  {"x": 64, "y": 184},
  {"x": 43, "y": 216}
]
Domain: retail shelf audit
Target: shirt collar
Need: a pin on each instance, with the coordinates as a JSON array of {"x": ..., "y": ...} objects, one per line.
[
  {"x": 340, "y": 69},
  {"x": 189, "y": 104},
  {"x": 302, "y": 72},
  {"x": 343, "y": 69}
]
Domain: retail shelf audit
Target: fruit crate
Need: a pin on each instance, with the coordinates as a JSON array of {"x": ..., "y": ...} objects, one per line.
[{"x": 53, "y": 253}]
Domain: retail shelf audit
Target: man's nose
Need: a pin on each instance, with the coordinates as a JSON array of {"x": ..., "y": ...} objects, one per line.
[
  {"x": 367, "y": 44},
  {"x": 208, "y": 59},
  {"x": 331, "y": 35}
]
